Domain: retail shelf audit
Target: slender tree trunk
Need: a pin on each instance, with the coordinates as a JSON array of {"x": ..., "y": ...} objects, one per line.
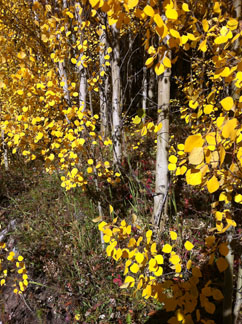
[
  {"x": 151, "y": 87},
  {"x": 116, "y": 87},
  {"x": 63, "y": 77},
  {"x": 144, "y": 93},
  {"x": 81, "y": 69},
  {"x": 228, "y": 284},
  {"x": 104, "y": 87},
  {"x": 161, "y": 184},
  {"x": 5, "y": 152},
  {"x": 238, "y": 298}
]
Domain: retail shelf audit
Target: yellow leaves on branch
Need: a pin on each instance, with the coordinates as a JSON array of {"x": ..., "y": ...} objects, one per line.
[
  {"x": 188, "y": 246},
  {"x": 192, "y": 142},
  {"x": 213, "y": 184},
  {"x": 159, "y": 68},
  {"x": 171, "y": 13},
  {"x": 194, "y": 177},
  {"x": 132, "y": 3},
  {"x": 149, "y": 11},
  {"x": 227, "y": 103},
  {"x": 196, "y": 156}
]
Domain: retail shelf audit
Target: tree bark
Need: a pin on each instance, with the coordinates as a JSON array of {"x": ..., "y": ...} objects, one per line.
[
  {"x": 81, "y": 69},
  {"x": 161, "y": 184},
  {"x": 116, "y": 94},
  {"x": 103, "y": 93},
  {"x": 144, "y": 93}
]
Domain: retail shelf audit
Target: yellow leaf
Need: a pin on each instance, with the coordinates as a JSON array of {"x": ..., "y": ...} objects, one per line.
[
  {"x": 189, "y": 264},
  {"x": 167, "y": 248},
  {"x": 159, "y": 68},
  {"x": 89, "y": 170},
  {"x": 185, "y": 7},
  {"x": 136, "y": 120},
  {"x": 134, "y": 268},
  {"x": 216, "y": 7},
  {"x": 193, "y": 141},
  {"x": 228, "y": 130},
  {"x": 129, "y": 281},
  {"x": 208, "y": 109},
  {"x": 205, "y": 25},
  {"x": 21, "y": 55},
  {"x": 222, "y": 264},
  {"x": 167, "y": 62},
  {"x": 139, "y": 257},
  {"x": 132, "y": 3},
  {"x": 149, "y": 11},
  {"x": 238, "y": 198},
  {"x": 212, "y": 184},
  {"x": 171, "y": 13},
  {"x": 51, "y": 157},
  {"x": 93, "y": 3},
  {"x": 171, "y": 167},
  {"x": 196, "y": 156},
  {"x": 158, "y": 20},
  {"x": 149, "y": 233},
  {"x": 193, "y": 104},
  {"x": 73, "y": 60},
  {"x": 158, "y": 127},
  {"x": 227, "y": 103},
  {"x": 178, "y": 268},
  {"x": 153, "y": 265},
  {"x": 172, "y": 159},
  {"x": 203, "y": 46},
  {"x": 174, "y": 259},
  {"x": 159, "y": 272},
  {"x": 144, "y": 131},
  {"x": 110, "y": 209},
  {"x": 174, "y": 33},
  {"x": 173, "y": 235},
  {"x": 96, "y": 220},
  {"x": 220, "y": 40},
  {"x": 75, "y": 94},
  {"x": 159, "y": 259},
  {"x": 194, "y": 177},
  {"x": 188, "y": 246}
]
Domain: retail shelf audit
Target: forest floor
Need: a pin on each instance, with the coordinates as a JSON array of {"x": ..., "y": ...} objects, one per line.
[{"x": 70, "y": 279}]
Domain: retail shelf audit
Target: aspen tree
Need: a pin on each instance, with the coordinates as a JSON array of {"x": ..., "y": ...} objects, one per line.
[
  {"x": 116, "y": 94},
  {"x": 161, "y": 175}
]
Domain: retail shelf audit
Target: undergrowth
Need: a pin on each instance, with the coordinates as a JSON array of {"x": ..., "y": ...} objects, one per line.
[{"x": 70, "y": 279}]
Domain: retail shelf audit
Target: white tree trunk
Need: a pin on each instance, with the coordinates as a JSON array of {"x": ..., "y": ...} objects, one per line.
[
  {"x": 238, "y": 298},
  {"x": 81, "y": 69},
  {"x": 5, "y": 152},
  {"x": 116, "y": 87},
  {"x": 144, "y": 93},
  {"x": 151, "y": 87},
  {"x": 161, "y": 182},
  {"x": 103, "y": 93},
  {"x": 63, "y": 77},
  {"x": 228, "y": 284}
]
